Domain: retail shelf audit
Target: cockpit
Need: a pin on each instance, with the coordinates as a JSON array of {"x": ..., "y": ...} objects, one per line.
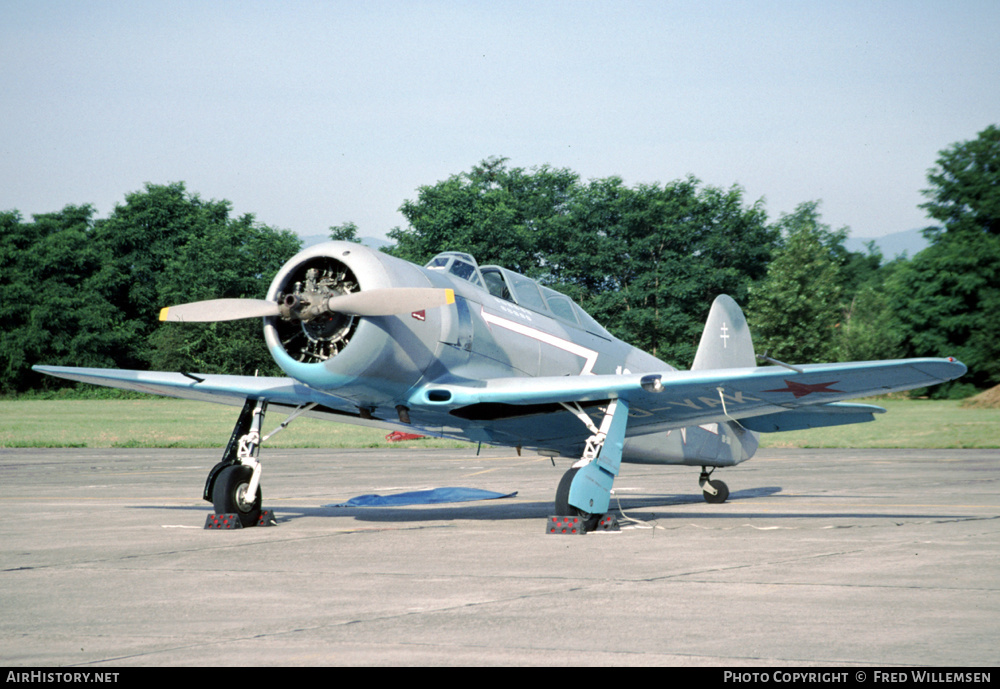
[
  {"x": 459, "y": 264},
  {"x": 515, "y": 288}
]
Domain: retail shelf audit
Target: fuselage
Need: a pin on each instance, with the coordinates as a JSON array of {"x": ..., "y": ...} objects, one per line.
[
  {"x": 502, "y": 325},
  {"x": 376, "y": 361}
]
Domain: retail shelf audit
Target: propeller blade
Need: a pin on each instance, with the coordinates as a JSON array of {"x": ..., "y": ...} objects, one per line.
[
  {"x": 376, "y": 302},
  {"x": 219, "y": 310},
  {"x": 390, "y": 301}
]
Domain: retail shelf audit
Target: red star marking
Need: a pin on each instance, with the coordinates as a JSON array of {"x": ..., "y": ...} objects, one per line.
[{"x": 803, "y": 389}]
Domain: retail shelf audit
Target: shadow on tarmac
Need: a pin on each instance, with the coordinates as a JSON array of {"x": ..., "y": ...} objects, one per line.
[{"x": 646, "y": 508}]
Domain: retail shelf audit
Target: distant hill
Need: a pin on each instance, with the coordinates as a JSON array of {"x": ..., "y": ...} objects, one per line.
[{"x": 910, "y": 242}]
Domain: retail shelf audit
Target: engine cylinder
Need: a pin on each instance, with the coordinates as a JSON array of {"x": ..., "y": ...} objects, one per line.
[{"x": 324, "y": 336}]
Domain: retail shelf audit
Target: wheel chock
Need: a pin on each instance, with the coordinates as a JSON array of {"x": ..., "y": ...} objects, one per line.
[
  {"x": 267, "y": 518},
  {"x": 573, "y": 526},
  {"x": 231, "y": 520},
  {"x": 607, "y": 523},
  {"x": 569, "y": 526}
]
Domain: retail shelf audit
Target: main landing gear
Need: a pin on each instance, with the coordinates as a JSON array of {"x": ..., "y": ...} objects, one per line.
[
  {"x": 584, "y": 493},
  {"x": 233, "y": 485}
]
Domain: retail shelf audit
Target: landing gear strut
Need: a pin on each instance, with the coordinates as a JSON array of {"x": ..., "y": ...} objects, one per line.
[
  {"x": 233, "y": 481},
  {"x": 233, "y": 485},
  {"x": 714, "y": 491},
  {"x": 584, "y": 493}
]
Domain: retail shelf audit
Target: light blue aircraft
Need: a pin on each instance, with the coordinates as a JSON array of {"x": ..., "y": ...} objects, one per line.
[{"x": 483, "y": 354}]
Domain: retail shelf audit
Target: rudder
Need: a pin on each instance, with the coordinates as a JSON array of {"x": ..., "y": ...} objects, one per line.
[{"x": 725, "y": 342}]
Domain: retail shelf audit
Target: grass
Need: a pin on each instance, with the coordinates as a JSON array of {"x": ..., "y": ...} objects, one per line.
[
  {"x": 919, "y": 424},
  {"x": 165, "y": 422}
]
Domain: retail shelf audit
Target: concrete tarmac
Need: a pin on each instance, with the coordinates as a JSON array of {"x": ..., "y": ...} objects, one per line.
[{"x": 820, "y": 557}]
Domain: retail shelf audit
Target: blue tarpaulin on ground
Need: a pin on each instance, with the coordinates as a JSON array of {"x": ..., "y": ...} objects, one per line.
[{"x": 424, "y": 497}]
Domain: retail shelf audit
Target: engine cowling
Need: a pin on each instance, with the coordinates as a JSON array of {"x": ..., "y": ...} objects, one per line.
[{"x": 372, "y": 361}]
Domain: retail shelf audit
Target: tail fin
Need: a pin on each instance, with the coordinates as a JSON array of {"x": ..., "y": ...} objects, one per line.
[{"x": 726, "y": 342}]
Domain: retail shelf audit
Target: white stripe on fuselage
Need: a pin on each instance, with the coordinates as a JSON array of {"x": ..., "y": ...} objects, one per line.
[{"x": 589, "y": 355}]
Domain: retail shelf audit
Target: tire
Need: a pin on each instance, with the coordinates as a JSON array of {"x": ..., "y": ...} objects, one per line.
[
  {"x": 230, "y": 486},
  {"x": 564, "y": 509},
  {"x": 721, "y": 495}
]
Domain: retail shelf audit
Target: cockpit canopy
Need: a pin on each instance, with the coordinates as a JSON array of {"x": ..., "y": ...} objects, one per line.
[
  {"x": 459, "y": 264},
  {"x": 515, "y": 288}
]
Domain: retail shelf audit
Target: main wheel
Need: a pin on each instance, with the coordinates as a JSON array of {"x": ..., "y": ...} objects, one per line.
[
  {"x": 229, "y": 495},
  {"x": 564, "y": 509},
  {"x": 721, "y": 492}
]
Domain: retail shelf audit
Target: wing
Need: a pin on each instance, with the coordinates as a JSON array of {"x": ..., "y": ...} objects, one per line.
[
  {"x": 285, "y": 393},
  {"x": 529, "y": 411},
  {"x": 675, "y": 399},
  {"x": 200, "y": 386}
]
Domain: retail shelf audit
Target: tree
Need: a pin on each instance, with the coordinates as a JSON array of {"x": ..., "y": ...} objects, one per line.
[
  {"x": 795, "y": 310},
  {"x": 169, "y": 247},
  {"x": 84, "y": 292},
  {"x": 646, "y": 261},
  {"x": 965, "y": 187},
  {"x": 821, "y": 302},
  {"x": 493, "y": 212},
  {"x": 948, "y": 296},
  {"x": 230, "y": 259},
  {"x": 158, "y": 247},
  {"x": 346, "y": 232},
  {"x": 869, "y": 329},
  {"x": 49, "y": 306}
]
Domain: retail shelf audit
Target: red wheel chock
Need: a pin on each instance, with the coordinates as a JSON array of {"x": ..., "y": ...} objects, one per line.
[{"x": 231, "y": 520}]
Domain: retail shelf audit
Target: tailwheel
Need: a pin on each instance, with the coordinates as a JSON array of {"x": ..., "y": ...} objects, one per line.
[
  {"x": 714, "y": 492},
  {"x": 229, "y": 494},
  {"x": 564, "y": 509},
  {"x": 721, "y": 492}
]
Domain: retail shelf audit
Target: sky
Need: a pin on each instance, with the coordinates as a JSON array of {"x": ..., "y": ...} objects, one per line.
[{"x": 310, "y": 114}]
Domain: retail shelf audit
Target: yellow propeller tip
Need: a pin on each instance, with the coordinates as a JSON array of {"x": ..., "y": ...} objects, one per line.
[
  {"x": 163, "y": 313},
  {"x": 450, "y": 297}
]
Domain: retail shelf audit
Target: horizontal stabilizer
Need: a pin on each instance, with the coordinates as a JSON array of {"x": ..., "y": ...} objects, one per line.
[{"x": 813, "y": 417}]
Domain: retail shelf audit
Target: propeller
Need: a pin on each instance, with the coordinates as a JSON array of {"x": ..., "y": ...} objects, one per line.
[
  {"x": 389, "y": 301},
  {"x": 219, "y": 310}
]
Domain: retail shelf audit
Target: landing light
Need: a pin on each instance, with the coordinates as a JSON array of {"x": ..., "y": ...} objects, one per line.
[{"x": 652, "y": 383}]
